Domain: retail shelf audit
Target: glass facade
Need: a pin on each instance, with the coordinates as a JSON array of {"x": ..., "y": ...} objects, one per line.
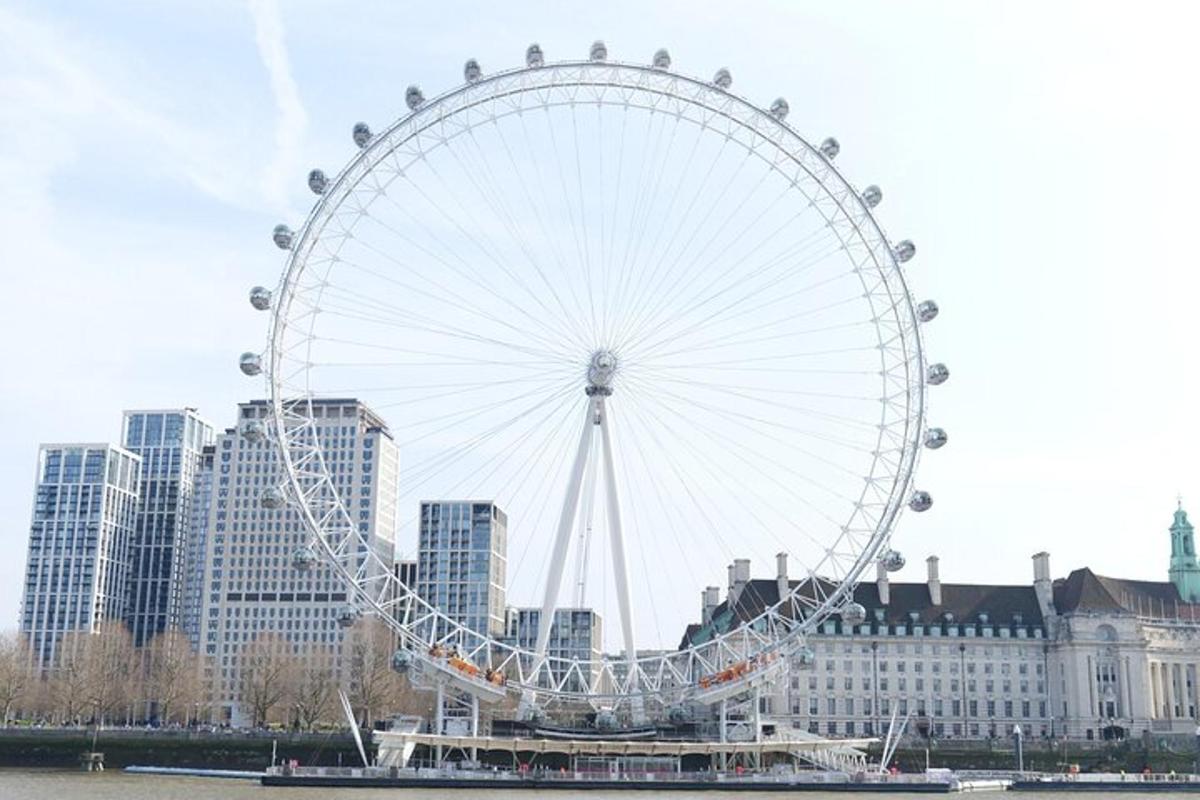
[
  {"x": 80, "y": 536},
  {"x": 575, "y": 635},
  {"x": 462, "y": 562},
  {"x": 197, "y": 546},
  {"x": 170, "y": 444}
]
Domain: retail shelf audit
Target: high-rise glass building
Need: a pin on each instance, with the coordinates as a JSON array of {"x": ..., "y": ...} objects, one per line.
[
  {"x": 252, "y": 585},
  {"x": 575, "y": 635},
  {"x": 462, "y": 562},
  {"x": 197, "y": 546},
  {"x": 170, "y": 443},
  {"x": 84, "y": 512}
]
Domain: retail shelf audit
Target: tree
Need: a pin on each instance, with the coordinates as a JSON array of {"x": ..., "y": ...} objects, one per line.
[
  {"x": 312, "y": 685},
  {"x": 265, "y": 664},
  {"x": 372, "y": 684},
  {"x": 67, "y": 675},
  {"x": 172, "y": 675},
  {"x": 15, "y": 673},
  {"x": 109, "y": 670}
]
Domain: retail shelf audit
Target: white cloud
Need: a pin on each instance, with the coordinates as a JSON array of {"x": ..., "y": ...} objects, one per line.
[{"x": 281, "y": 171}]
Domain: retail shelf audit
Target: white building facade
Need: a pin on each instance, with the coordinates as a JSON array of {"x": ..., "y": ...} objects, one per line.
[
  {"x": 1083, "y": 657},
  {"x": 252, "y": 586},
  {"x": 77, "y": 567}
]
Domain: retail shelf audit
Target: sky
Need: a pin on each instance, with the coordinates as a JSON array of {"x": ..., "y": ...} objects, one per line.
[{"x": 1042, "y": 156}]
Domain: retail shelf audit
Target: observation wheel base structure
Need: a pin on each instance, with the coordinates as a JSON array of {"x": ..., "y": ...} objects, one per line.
[{"x": 750, "y": 355}]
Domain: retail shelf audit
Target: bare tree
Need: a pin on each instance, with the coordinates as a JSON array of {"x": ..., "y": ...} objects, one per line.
[
  {"x": 312, "y": 685},
  {"x": 373, "y": 687},
  {"x": 264, "y": 665},
  {"x": 15, "y": 673},
  {"x": 66, "y": 692},
  {"x": 172, "y": 675},
  {"x": 110, "y": 674}
]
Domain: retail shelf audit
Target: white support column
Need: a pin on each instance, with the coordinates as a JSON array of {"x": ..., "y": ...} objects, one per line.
[
  {"x": 566, "y": 522},
  {"x": 1155, "y": 702},
  {"x": 620, "y": 567},
  {"x": 439, "y": 718},
  {"x": 585, "y": 529},
  {"x": 475, "y": 725}
]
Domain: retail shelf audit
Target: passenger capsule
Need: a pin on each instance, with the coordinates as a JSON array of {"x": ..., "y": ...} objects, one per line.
[
  {"x": 317, "y": 182},
  {"x": 347, "y": 616},
  {"x": 598, "y": 52},
  {"x": 927, "y": 311},
  {"x": 779, "y": 109},
  {"x": 362, "y": 134},
  {"x": 532, "y": 714},
  {"x": 935, "y": 438},
  {"x": 805, "y": 658},
  {"x": 402, "y": 661},
  {"x": 413, "y": 97},
  {"x": 872, "y": 195},
  {"x": 533, "y": 56},
  {"x": 272, "y": 498},
  {"x": 662, "y": 59},
  {"x": 251, "y": 364},
  {"x": 892, "y": 561},
  {"x": 303, "y": 558},
  {"x": 606, "y": 719},
  {"x": 854, "y": 614},
  {"x": 830, "y": 148},
  {"x": 253, "y": 431},
  {"x": 722, "y": 80},
  {"x": 471, "y": 70},
  {"x": 283, "y": 237},
  {"x": 905, "y": 250},
  {"x": 937, "y": 374},
  {"x": 260, "y": 298},
  {"x": 920, "y": 501},
  {"x": 678, "y": 715}
]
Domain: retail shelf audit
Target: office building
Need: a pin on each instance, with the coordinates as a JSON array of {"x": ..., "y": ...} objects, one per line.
[
  {"x": 462, "y": 562},
  {"x": 197, "y": 546},
  {"x": 253, "y": 586},
  {"x": 169, "y": 443},
  {"x": 575, "y": 635},
  {"x": 77, "y": 567}
]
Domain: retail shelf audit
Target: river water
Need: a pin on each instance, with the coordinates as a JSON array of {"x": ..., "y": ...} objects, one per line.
[{"x": 18, "y": 784}]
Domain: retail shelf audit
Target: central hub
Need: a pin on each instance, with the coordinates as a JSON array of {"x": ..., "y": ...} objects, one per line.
[{"x": 601, "y": 368}]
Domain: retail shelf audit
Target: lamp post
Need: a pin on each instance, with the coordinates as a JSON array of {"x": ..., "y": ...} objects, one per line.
[{"x": 1019, "y": 736}]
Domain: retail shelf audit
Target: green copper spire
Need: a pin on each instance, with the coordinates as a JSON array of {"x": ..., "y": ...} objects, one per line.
[{"x": 1185, "y": 570}]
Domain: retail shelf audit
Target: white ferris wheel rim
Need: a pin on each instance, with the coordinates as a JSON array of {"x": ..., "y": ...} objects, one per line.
[{"x": 775, "y": 630}]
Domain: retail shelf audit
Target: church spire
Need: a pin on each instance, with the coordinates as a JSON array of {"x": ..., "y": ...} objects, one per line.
[{"x": 1185, "y": 570}]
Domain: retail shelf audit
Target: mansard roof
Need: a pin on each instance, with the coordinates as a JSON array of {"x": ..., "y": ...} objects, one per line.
[
  {"x": 1084, "y": 591},
  {"x": 962, "y": 604}
]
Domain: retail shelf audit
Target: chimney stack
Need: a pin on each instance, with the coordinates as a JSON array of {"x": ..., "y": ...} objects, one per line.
[
  {"x": 934, "y": 582},
  {"x": 881, "y": 583},
  {"x": 782, "y": 586},
  {"x": 741, "y": 576},
  {"x": 712, "y": 598},
  {"x": 1041, "y": 567},
  {"x": 1043, "y": 587}
]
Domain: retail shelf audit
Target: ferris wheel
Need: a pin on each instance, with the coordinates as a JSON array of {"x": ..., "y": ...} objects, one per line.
[{"x": 649, "y": 320}]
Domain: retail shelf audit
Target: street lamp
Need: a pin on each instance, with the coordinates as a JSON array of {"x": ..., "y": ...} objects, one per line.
[{"x": 1019, "y": 736}]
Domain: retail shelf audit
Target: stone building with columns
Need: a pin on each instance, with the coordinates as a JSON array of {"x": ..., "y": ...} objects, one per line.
[{"x": 1083, "y": 657}]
